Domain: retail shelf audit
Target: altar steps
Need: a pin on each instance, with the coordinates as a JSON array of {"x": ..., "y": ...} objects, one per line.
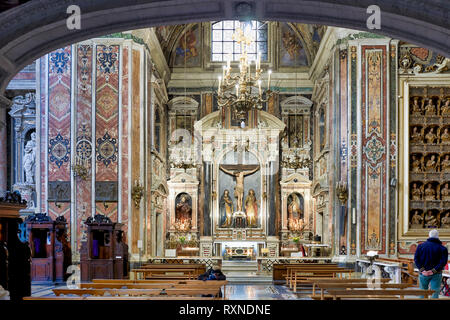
[{"x": 244, "y": 272}]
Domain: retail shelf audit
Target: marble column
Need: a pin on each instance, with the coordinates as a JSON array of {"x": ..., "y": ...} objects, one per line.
[
  {"x": 207, "y": 176},
  {"x": 4, "y": 103},
  {"x": 272, "y": 181}
]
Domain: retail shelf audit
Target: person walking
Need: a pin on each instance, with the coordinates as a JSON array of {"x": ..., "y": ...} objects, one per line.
[{"x": 430, "y": 258}]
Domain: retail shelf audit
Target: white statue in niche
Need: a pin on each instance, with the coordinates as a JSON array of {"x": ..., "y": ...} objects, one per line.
[{"x": 29, "y": 159}]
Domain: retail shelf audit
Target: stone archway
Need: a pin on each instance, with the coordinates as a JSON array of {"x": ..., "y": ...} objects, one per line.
[{"x": 37, "y": 27}]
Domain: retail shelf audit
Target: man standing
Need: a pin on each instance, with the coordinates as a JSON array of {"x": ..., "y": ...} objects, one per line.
[{"x": 431, "y": 258}]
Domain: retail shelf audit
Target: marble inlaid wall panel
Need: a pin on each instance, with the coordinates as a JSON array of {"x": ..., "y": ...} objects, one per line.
[
  {"x": 43, "y": 132},
  {"x": 374, "y": 142},
  {"x": 125, "y": 138},
  {"x": 107, "y": 112},
  {"x": 135, "y": 143},
  {"x": 59, "y": 124},
  {"x": 83, "y": 149}
]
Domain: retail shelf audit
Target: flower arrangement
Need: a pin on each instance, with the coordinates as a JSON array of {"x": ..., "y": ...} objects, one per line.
[{"x": 296, "y": 239}]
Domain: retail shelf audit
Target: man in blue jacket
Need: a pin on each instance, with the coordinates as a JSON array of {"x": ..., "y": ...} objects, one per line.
[{"x": 431, "y": 258}]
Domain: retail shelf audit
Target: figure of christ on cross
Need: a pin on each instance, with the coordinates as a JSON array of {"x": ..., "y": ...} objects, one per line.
[{"x": 239, "y": 171}]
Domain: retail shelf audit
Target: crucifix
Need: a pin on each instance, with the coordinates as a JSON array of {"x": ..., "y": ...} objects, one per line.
[{"x": 239, "y": 171}]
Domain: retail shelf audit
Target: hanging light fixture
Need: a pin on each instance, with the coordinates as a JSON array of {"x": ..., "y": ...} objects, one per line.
[{"x": 235, "y": 91}]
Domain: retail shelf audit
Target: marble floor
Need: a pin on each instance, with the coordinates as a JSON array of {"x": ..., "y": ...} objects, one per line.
[{"x": 233, "y": 292}]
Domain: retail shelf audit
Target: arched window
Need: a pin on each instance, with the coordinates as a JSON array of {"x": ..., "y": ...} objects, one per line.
[{"x": 224, "y": 47}]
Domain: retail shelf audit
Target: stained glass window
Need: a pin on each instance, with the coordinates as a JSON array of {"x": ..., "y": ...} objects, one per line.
[{"x": 223, "y": 46}]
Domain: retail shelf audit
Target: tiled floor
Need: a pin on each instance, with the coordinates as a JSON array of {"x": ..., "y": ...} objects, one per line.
[{"x": 233, "y": 292}]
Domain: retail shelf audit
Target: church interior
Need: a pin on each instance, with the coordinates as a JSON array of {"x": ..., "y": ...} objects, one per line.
[{"x": 252, "y": 146}]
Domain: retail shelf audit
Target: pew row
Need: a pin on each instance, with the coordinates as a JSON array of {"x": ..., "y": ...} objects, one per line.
[{"x": 113, "y": 293}]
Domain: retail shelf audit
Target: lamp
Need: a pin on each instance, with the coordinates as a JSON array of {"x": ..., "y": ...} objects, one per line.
[
  {"x": 243, "y": 99},
  {"x": 342, "y": 192}
]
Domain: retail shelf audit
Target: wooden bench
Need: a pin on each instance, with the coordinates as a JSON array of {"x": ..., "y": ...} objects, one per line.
[
  {"x": 315, "y": 281},
  {"x": 118, "y": 298},
  {"x": 193, "y": 284},
  {"x": 290, "y": 269},
  {"x": 407, "y": 269},
  {"x": 176, "y": 274},
  {"x": 280, "y": 269},
  {"x": 198, "y": 268},
  {"x": 295, "y": 274},
  {"x": 377, "y": 293},
  {"x": 301, "y": 275},
  {"x": 180, "y": 281},
  {"x": 171, "y": 284},
  {"x": 360, "y": 285},
  {"x": 112, "y": 293}
]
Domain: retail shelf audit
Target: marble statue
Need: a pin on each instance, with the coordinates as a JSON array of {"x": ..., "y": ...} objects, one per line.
[
  {"x": 445, "y": 193},
  {"x": 430, "y": 194},
  {"x": 416, "y": 193},
  {"x": 183, "y": 210},
  {"x": 29, "y": 159},
  {"x": 430, "y": 109},
  {"x": 445, "y": 220},
  {"x": 416, "y": 109},
  {"x": 251, "y": 208},
  {"x": 431, "y": 164},
  {"x": 430, "y": 220},
  {"x": 430, "y": 136},
  {"x": 416, "y": 135},
  {"x": 416, "y": 220},
  {"x": 445, "y": 164},
  {"x": 445, "y": 137},
  {"x": 415, "y": 164},
  {"x": 239, "y": 173},
  {"x": 294, "y": 207},
  {"x": 226, "y": 208}
]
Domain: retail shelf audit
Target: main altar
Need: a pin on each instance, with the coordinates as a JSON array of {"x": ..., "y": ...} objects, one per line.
[
  {"x": 241, "y": 167},
  {"x": 240, "y": 184}
]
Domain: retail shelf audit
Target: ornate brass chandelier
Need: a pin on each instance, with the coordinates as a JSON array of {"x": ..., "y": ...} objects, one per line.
[{"x": 243, "y": 99}]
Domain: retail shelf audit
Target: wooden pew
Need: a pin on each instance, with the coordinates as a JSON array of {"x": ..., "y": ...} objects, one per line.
[
  {"x": 180, "y": 274},
  {"x": 291, "y": 268},
  {"x": 280, "y": 269},
  {"x": 304, "y": 274},
  {"x": 155, "y": 284},
  {"x": 149, "y": 285},
  {"x": 143, "y": 281},
  {"x": 119, "y": 298},
  {"x": 199, "y": 268},
  {"x": 315, "y": 281},
  {"x": 296, "y": 273},
  {"x": 112, "y": 293},
  {"x": 361, "y": 285},
  {"x": 377, "y": 293},
  {"x": 407, "y": 269}
]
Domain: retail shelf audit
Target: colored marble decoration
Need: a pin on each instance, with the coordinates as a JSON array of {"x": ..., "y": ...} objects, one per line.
[
  {"x": 107, "y": 112},
  {"x": 59, "y": 62},
  {"x": 107, "y": 60},
  {"x": 106, "y": 149},
  {"x": 375, "y": 147},
  {"x": 59, "y": 150}
]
